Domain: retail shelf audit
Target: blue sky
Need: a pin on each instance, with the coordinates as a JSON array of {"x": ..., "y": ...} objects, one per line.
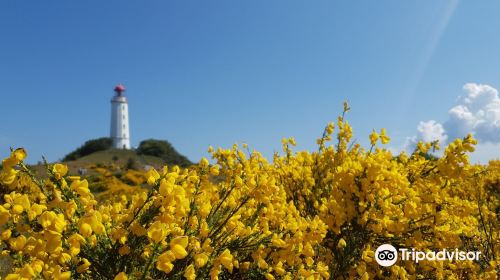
[{"x": 202, "y": 73}]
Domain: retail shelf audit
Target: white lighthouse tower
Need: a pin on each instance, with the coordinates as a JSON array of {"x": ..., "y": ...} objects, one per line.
[{"x": 119, "y": 119}]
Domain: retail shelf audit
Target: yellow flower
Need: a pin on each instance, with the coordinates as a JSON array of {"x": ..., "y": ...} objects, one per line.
[
  {"x": 178, "y": 251},
  {"x": 37, "y": 266},
  {"x": 83, "y": 267},
  {"x": 308, "y": 250},
  {"x": 214, "y": 170},
  {"x": 226, "y": 259},
  {"x": 59, "y": 170},
  {"x": 17, "y": 209},
  {"x": 17, "y": 244},
  {"x": 120, "y": 234},
  {"x": 204, "y": 163},
  {"x": 214, "y": 272},
  {"x": 341, "y": 244},
  {"x": 373, "y": 138},
  {"x": 204, "y": 229},
  {"x": 13, "y": 276},
  {"x": 51, "y": 220},
  {"x": 71, "y": 208},
  {"x": 8, "y": 175},
  {"x": 157, "y": 232},
  {"x": 200, "y": 259},
  {"x": 73, "y": 178},
  {"x": 269, "y": 276},
  {"x": 383, "y": 136},
  {"x": 180, "y": 240},
  {"x": 15, "y": 158},
  {"x": 60, "y": 275},
  {"x": 35, "y": 211},
  {"x": 204, "y": 209},
  {"x": 27, "y": 272},
  {"x": 64, "y": 258},
  {"x": 190, "y": 272},
  {"x": 21, "y": 203},
  {"x": 368, "y": 255},
  {"x": 166, "y": 186},
  {"x": 46, "y": 219},
  {"x": 85, "y": 229},
  {"x": 80, "y": 187},
  {"x": 121, "y": 276},
  {"x": 178, "y": 246},
  {"x": 262, "y": 264},
  {"x": 75, "y": 241},
  {"x": 94, "y": 220},
  {"x": 4, "y": 215},
  {"x": 152, "y": 176},
  {"x": 137, "y": 229},
  {"x": 279, "y": 269},
  {"x": 330, "y": 127},
  {"x": 124, "y": 250},
  {"x": 5, "y": 235},
  {"x": 54, "y": 241},
  {"x": 19, "y": 154},
  {"x": 164, "y": 262}
]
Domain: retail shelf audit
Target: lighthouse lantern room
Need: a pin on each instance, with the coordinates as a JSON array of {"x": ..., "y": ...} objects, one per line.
[{"x": 119, "y": 119}]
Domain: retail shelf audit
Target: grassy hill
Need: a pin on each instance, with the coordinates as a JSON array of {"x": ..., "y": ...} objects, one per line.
[
  {"x": 98, "y": 153},
  {"x": 120, "y": 158},
  {"x": 117, "y": 157}
]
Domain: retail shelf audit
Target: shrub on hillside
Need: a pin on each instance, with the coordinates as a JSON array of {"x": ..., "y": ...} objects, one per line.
[
  {"x": 89, "y": 147},
  {"x": 162, "y": 149}
]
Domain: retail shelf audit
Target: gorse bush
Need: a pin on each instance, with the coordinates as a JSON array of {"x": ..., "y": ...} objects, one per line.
[{"x": 305, "y": 215}]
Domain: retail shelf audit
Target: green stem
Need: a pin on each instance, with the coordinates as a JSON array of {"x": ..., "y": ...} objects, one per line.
[{"x": 150, "y": 261}]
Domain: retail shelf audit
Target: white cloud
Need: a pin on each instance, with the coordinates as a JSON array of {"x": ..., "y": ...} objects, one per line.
[
  {"x": 430, "y": 131},
  {"x": 427, "y": 132},
  {"x": 478, "y": 112}
]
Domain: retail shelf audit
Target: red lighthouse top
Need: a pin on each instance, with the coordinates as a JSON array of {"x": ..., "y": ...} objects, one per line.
[{"x": 119, "y": 89}]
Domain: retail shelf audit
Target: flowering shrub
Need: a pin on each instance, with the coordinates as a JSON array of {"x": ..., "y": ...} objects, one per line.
[{"x": 305, "y": 215}]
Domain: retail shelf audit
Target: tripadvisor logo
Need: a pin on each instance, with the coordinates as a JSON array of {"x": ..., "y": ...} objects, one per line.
[{"x": 387, "y": 255}]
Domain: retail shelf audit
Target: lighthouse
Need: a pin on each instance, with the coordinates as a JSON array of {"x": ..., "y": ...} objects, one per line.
[{"x": 119, "y": 119}]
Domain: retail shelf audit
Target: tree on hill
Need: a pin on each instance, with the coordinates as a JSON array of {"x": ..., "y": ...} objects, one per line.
[
  {"x": 162, "y": 149},
  {"x": 89, "y": 147}
]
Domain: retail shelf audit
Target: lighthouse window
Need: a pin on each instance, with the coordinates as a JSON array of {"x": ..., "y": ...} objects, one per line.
[{"x": 123, "y": 126}]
